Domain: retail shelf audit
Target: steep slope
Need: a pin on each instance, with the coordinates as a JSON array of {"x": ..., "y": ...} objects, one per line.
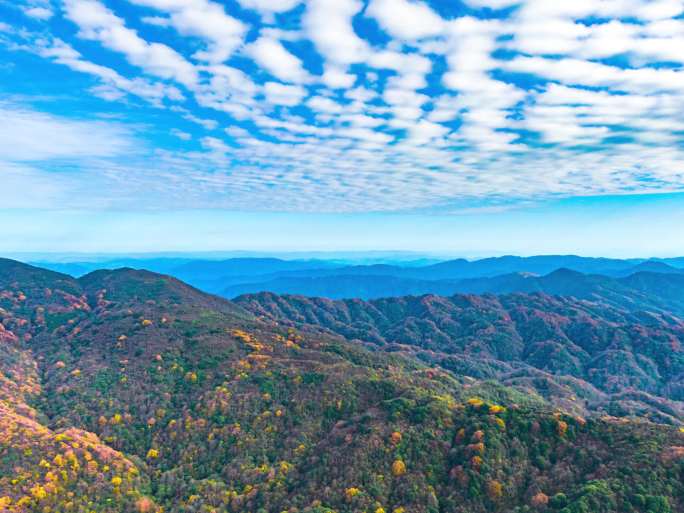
[
  {"x": 41, "y": 467},
  {"x": 603, "y": 358},
  {"x": 149, "y": 394},
  {"x": 668, "y": 288}
]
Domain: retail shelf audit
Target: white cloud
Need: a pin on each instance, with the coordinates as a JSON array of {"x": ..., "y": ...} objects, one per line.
[
  {"x": 24, "y": 187},
  {"x": 99, "y": 23},
  {"x": 365, "y": 134},
  {"x": 424, "y": 131},
  {"x": 229, "y": 90},
  {"x": 391, "y": 130},
  {"x": 158, "y": 21},
  {"x": 361, "y": 120},
  {"x": 404, "y": 97},
  {"x": 400, "y": 62},
  {"x": 549, "y": 36},
  {"x": 579, "y": 116},
  {"x": 580, "y": 72},
  {"x": 39, "y": 13},
  {"x": 647, "y": 10},
  {"x": 207, "y": 124},
  {"x": 281, "y": 94},
  {"x": 660, "y": 9},
  {"x": 215, "y": 145},
  {"x": 238, "y": 132},
  {"x": 494, "y": 4},
  {"x": 271, "y": 55},
  {"x": 31, "y": 136},
  {"x": 328, "y": 24},
  {"x": 269, "y": 7},
  {"x": 337, "y": 78},
  {"x": 361, "y": 94},
  {"x": 222, "y": 33},
  {"x": 113, "y": 84},
  {"x": 406, "y": 19},
  {"x": 183, "y": 136},
  {"x": 325, "y": 105},
  {"x": 641, "y": 42},
  {"x": 482, "y": 103}
]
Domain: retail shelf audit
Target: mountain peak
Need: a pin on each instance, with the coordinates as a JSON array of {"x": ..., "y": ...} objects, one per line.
[
  {"x": 19, "y": 270},
  {"x": 565, "y": 273},
  {"x": 29, "y": 277},
  {"x": 655, "y": 266}
]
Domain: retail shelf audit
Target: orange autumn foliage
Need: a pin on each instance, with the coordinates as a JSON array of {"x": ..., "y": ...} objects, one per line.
[
  {"x": 145, "y": 505},
  {"x": 398, "y": 468},
  {"x": 494, "y": 490}
]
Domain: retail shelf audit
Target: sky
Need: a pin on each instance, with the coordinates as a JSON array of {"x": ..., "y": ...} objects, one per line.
[{"x": 467, "y": 127}]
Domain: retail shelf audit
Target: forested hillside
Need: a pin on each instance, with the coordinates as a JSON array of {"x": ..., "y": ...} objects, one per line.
[
  {"x": 585, "y": 356},
  {"x": 128, "y": 391}
]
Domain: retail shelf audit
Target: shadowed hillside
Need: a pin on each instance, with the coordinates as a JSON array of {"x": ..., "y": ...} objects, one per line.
[{"x": 583, "y": 355}]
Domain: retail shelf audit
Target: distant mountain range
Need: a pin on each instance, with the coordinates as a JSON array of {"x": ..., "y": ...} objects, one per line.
[
  {"x": 633, "y": 291},
  {"x": 233, "y": 277}
]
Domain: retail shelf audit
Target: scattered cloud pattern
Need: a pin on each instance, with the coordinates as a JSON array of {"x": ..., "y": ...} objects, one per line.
[{"x": 343, "y": 105}]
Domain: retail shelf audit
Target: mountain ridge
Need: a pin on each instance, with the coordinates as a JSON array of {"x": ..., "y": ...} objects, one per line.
[{"x": 555, "y": 335}]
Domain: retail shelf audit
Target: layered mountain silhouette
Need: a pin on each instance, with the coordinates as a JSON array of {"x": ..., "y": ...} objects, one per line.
[
  {"x": 233, "y": 277},
  {"x": 639, "y": 291},
  {"x": 127, "y": 391}
]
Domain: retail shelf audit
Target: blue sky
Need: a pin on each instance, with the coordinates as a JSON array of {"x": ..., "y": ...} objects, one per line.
[{"x": 473, "y": 127}]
